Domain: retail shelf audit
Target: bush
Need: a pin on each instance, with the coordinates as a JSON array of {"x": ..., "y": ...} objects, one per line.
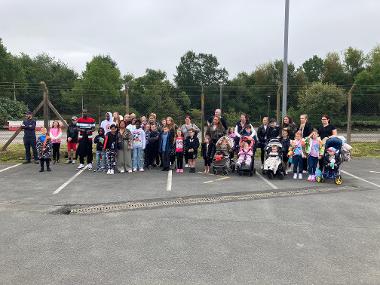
[{"x": 11, "y": 110}]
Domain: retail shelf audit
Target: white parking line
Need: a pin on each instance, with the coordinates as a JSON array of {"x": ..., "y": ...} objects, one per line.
[
  {"x": 361, "y": 179},
  {"x": 374, "y": 172},
  {"x": 10, "y": 167},
  {"x": 169, "y": 181},
  {"x": 267, "y": 181},
  {"x": 215, "y": 180},
  {"x": 69, "y": 181}
]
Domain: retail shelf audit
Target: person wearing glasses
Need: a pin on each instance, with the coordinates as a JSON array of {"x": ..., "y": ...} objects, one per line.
[{"x": 326, "y": 130}]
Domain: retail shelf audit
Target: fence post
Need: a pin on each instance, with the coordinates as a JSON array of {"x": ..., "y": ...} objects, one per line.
[
  {"x": 46, "y": 104},
  {"x": 278, "y": 103},
  {"x": 349, "y": 114},
  {"x": 221, "y": 96},
  {"x": 126, "y": 99},
  {"x": 202, "y": 113}
]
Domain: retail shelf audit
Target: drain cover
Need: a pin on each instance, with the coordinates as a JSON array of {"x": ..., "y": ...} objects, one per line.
[{"x": 193, "y": 200}]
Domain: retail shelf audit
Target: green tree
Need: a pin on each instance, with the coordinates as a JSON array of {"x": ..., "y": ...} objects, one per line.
[
  {"x": 11, "y": 110},
  {"x": 333, "y": 70},
  {"x": 354, "y": 60},
  {"x": 313, "y": 68}
]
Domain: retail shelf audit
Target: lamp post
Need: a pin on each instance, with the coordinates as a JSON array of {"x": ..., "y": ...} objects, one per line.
[
  {"x": 285, "y": 62},
  {"x": 268, "y": 105},
  {"x": 220, "y": 95}
]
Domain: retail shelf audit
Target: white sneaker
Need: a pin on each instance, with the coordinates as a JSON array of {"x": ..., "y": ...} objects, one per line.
[
  {"x": 129, "y": 170},
  {"x": 141, "y": 170},
  {"x": 73, "y": 162},
  {"x": 134, "y": 169},
  {"x": 186, "y": 165},
  {"x": 112, "y": 171},
  {"x": 81, "y": 166},
  {"x": 122, "y": 170},
  {"x": 109, "y": 171},
  {"x": 89, "y": 166},
  {"x": 300, "y": 176},
  {"x": 295, "y": 176}
]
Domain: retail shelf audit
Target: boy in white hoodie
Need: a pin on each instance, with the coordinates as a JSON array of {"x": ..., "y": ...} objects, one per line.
[
  {"x": 106, "y": 124},
  {"x": 139, "y": 143}
]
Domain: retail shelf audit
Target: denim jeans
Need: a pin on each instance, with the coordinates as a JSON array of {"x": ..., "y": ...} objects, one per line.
[
  {"x": 100, "y": 159},
  {"x": 312, "y": 163},
  {"x": 138, "y": 158},
  {"x": 297, "y": 163}
]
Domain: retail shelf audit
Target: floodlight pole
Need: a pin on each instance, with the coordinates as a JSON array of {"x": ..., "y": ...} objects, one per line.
[{"x": 285, "y": 66}]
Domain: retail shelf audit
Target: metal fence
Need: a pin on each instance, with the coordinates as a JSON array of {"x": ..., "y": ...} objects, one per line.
[{"x": 256, "y": 101}]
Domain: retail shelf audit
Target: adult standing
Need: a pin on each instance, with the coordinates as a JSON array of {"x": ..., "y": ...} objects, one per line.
[
  {"x": 188, "y": 125},
  {"x": 29, "y": 127},
  {"x": 305, "y": 127},
  {"x": 325, "y": 131},
  {"x": 172, "y": 130},
  {"x": 106, "y": 124},
  {"x": 290, "y": 126},
  {"x": 262, "y": 133},
  {"x": 218, "y": 113},
  {"x": 216, "y": 130},
  {"x": 124, "y": 153},
  {"x": 86, "y": 126},
  {"x": 72, "y": 140},
  {"x": 239, "y": 128}
]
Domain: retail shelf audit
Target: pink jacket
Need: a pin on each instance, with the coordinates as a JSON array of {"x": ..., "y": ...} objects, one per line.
[{"x": 56, "y": 135}]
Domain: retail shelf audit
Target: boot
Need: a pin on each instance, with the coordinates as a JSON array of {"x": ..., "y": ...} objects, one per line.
[
  {"x": 42, "y": 165},
  {"x": 48, "y": 165}
]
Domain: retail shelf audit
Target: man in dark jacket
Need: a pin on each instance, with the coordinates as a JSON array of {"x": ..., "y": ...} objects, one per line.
[
  {"x": 262, "y": 132},
  {"x": 29, "y": 127},
  {"x": 72, "y": 140}
]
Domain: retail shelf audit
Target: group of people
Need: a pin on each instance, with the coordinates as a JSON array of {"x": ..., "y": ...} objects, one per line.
[{"x": 131, "y": 144}]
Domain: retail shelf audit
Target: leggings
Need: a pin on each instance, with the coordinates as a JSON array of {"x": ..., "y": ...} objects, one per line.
[
  {"x": 56, "y": 151},
  {"x": 297, "y": 163},
  {"x": 179, "y": 156}
]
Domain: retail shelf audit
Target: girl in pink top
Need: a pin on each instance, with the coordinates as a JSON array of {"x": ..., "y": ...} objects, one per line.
[
  {"x": 179, "y": 149},
  {"x": 56, "y": 137}
]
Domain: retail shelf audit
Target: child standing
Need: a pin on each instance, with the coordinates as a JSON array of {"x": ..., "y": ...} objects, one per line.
[
  {"x": 285, "y": 141},
  {"x": 208, "y": 151},
  {"x": 297, "y": 155},
  {"x": 56, "y": 136},
  {"x": 110, "y": 146},
  {"x": 44, "y": 147},
  {"x": 314, "y": 150},
  {"x": 191, "y": 149},
  {"x": 139, "y": 143},
  {"x": 100, "y": 153},
  {"x": 151, "y": 150},
  {"x": 179, "y": 149},
  {"x": 165, "y": 148}
]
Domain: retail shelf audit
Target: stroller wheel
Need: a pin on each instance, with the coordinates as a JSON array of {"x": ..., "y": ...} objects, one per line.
[
  {"x": 270, "y": 175},
  {"x": 338, "y": 180}
]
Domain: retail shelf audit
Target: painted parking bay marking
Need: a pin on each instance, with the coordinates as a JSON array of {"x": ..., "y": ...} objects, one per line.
[
  {"x": 60, "y": 188},
  {"x": 10, "y": 167}
]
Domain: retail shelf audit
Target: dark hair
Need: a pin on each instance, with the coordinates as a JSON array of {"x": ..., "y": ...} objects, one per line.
[
  {"x": 188, "y": 116},
  {"x": 327, "y": 117},
  {"x": 122, "y": 121},
  {"x": 246, "y": 117},
  {"x": 290, "y": 119},
  {"x": 52, "y": 125},
  {"x": 113, "y": 126}
]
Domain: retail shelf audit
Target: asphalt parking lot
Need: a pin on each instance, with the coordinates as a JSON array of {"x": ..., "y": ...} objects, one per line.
[{"x": 313, "y": 234}]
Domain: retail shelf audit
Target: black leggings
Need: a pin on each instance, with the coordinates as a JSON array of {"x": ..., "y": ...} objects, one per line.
[
  {"x": 56, "y": 147},
  {"x": 47, "y": 160},
  {"x": 179, "y": 156}
]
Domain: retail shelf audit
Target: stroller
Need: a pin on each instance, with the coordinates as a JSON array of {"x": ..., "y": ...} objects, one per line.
[
  {"x": 273, "y": 164},
  {"x": 244, "y": 168},
  {"x": 222, "y": 162},
  {"x": 333, "y": 157}
]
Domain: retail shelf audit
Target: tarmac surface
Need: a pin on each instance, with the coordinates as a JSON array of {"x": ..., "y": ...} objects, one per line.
[{"x": 329, "y": 235}]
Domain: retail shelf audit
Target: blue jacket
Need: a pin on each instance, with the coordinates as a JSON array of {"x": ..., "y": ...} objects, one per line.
[{"x": 29, "y": 127}]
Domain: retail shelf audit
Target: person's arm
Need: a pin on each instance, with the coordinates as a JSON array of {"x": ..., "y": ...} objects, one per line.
[
  {"x": 236, "y": 131},
  {"x": 31, "y": 126},
  {"x": 334, "y": 132},
  {"x": 196, "y": 143},
  {"x": 59, "y": 134}
]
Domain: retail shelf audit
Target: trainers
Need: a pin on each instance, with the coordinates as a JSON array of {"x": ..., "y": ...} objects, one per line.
[
  {"x": 141, "y": 170},
  {"x": 186, "y": 165},
  {"x": 122, "y": 170},
  {"x": 109, "y": 171},
  {"x": 181, "y": 171},
  {"x": 313, "y": 178},
  {"x": 95, "y": 170},
  {"x": 73, "y": 162},
  {"x": 134, "y": 169},
  {"x": 129, "y": 170},
  {"x": 177, "y": 171},
  {"x": 300, "y": 176},
  {"x": 112, "y": 171},
  {"x": 309, "y": 178},
  {"x": 89, "y": 166},
  {"x": 295, "y": 176},
  {"x": 81, "y": 166}
]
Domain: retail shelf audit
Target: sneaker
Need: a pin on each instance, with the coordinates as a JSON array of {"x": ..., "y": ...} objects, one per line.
[
  {"x": 134, "y": 169},
  {"x": 177, "y": 171},
  {"x": 295, "y": 176},
  {"x": 141, "y": 170},
  {"x": 181, "y": 171},
  {"x": 187, "y": 166},
  {"x": 309, "y": 178},
  {"x": 96, "y": 170},
  {"x": 109, "y": 171},
  {"x": 81, "y": 166},
  {"x": 129, "y": 170},
  {"x": 313, "y": 178},
  {"x": 112, "y": 172},
  {"x": 300, "y": 176},
  {"x": 73, "y": 162},
  {"x": 89, "y": 166},
  {"x": 122, "y": 170}
]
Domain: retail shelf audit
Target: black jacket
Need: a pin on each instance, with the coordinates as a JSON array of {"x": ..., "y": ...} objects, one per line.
[
  {"x": 72, "y": 132},
  {"x": 262, "y": 134},
  {"x": 273, "y": 132},
  {"x": 208, "y": 153},
  {"x": 307, "y": 130},
  {"x": 191, "y": 143},
  {"x": 99, "y": 143}
]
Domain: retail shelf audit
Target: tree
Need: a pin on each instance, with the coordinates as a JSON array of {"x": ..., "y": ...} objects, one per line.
[
  {"x": 333, "y": 70},
  {"x": 195, "y": 70},
  {"x": 353, "y": 61},
  {"x": 321, "y": 98},
  {"x": 313, "y": 68},
  {"x": 11, "y": 110}
]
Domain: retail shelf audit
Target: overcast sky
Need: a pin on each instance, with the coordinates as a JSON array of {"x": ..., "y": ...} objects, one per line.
[{"x": 154, "y": 34}]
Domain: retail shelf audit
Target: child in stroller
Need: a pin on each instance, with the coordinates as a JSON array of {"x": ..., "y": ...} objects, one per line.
[
  {"x": 273, "y": 164},
  {"x": 245, "y": 160},
  {"x": 332, "y": 159},
  {"x": 222, "y": 160}
]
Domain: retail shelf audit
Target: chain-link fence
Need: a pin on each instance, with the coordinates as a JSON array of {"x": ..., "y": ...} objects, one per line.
[{"x": 166, "y": 100}]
